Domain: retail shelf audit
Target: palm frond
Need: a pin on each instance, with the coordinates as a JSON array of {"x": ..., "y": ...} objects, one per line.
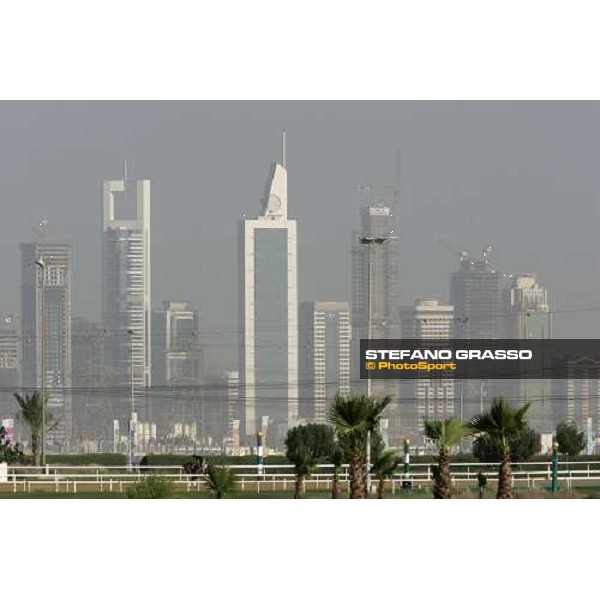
[
  {"x": 221, "y": 480},
  {"x": 385, "y": 464},
  {"x": 501, "y": 421},
  {"x": 304, "y": 461}
]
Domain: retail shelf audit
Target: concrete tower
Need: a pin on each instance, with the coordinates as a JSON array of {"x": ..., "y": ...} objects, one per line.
[
  {"x": 53, "y": 283},
  {"x": 268, "y": 303},
  {"x": 126, "y": 281}
]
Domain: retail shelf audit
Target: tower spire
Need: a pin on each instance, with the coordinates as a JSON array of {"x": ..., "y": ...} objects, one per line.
[
  {"x": 125, "y": 175},
  {"x": 283, "y": 149}
]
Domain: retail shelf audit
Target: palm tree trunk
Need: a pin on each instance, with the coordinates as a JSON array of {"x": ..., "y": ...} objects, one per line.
[
  {"x": 336, "y": 487},
  {"x": 505, "y": 475},
  {"x": 357, "y": 477},
  {"x": 381, "y": 488},
  {"x": 34, "y": 447},
  {"x": 444, "y": 484},
  {"x": 299, "y": 488}
]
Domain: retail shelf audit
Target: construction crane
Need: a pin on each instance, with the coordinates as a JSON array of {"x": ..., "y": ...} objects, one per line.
[
  {"x": 41, "y": 231},
  {"x": 461, "y": 252}
]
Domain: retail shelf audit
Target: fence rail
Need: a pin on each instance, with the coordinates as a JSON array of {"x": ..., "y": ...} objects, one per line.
[{"x": 257, "y": 479}]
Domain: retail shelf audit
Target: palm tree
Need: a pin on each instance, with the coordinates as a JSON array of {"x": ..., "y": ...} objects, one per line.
[
  {"x": 304, "y": 462},
  {"x": 384, "y": 467},
  {"x": 352, "y": 416},
  {"x": 336, "y": 459},
  {"x": 501, "y": 423},
  {"x": 444, "y": 434},
  {"x": 31, "y": 413},
  {"x": 221, "y": 481}
]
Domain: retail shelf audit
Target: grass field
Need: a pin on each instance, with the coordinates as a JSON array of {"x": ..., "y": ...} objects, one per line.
[{"x": 591, "y": 492}]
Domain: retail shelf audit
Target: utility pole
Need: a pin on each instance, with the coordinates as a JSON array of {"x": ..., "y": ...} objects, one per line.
[
  {"x": 369, "y": 385},
  {"x": 369, "y": 241},
  {"x": 481, "y": 397},
  {"x": 259, "y": 453},
  {"x": 554, "y": 486},
  {"x": 41, "y": 265},
  {"x": 406, "y": 476},
  {"x": 133, "y": 419}
]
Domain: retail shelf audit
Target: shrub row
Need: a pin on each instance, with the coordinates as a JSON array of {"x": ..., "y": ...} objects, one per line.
[{"x": 75, "y": 460}]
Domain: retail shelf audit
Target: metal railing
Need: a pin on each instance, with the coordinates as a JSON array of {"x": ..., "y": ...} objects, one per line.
[{"x": 250, "y": 478}]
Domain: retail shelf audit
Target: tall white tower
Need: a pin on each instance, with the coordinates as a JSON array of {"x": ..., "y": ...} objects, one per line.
[
  {"x": 269, "y": 312},
  {"x": 427, "y": 398},
  {"x": 324, "y": 361},
  {"x": 126, "y": 281}
]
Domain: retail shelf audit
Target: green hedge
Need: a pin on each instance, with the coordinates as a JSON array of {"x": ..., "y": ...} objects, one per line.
[
  {"x": 160, "y": 460},
  {"x": 106, "y": 460}
]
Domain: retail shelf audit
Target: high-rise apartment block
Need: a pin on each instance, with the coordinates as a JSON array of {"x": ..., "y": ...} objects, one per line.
[
  {"x": 324, "y": 356},
  {"x": 46, "y": 288},
  {"x": 9, "y": 366},
  {"x": 427, "y": 398}
]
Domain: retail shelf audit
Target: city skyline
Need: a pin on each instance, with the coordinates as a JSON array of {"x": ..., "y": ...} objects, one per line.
[{"x": 330, "y": 164}]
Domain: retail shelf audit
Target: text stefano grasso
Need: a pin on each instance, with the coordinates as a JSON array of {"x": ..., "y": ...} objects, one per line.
[{"x": 445, "y": 354}]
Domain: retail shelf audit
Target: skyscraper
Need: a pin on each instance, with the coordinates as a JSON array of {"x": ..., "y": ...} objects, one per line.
[
  {"x": 526, "y": 316},
  {"x": 325, "y": 340},
  {"x": 427, "y": 398},
  {"x": 475, "y": 295},
  {"x": 377, "y": 221},
  {"x": 9, "y": 366},
  {"x": 50, "y": 280},
  {"x": 526, "y": 309},
  {"x": 176, "y": 350},
  {"x": 375, "y": 274},
  {"x": 269, "y": 312},
  {"x": 93, "y": 411},
  {"x": 581, "y": 390},
  {"x": 126, "y": 281}
]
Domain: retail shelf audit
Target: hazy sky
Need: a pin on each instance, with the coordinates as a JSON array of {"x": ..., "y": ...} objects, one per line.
[{"x": 521, "y": 176}]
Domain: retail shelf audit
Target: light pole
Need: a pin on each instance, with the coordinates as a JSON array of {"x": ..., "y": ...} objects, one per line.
[
  {"x": 369, "y": 242},
  {"x": 406, "y": 485},
  {"x": 41, "y": 265},
  {"x": 132, "y": 424},
  {"x": 554, "y": 486}
]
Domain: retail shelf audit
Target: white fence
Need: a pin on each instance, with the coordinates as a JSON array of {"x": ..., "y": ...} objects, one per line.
[{"x": 250, "y": 478}]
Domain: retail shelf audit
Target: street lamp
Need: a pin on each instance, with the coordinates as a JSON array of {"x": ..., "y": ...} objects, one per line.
[
  {"x": 132, "y": 425},
  {"x": 369, "y": 242},
  {"x": 41, "y": 265},
  {"x": 554, "y": 485}
]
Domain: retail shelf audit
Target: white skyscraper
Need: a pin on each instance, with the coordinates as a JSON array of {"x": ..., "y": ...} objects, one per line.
[
  {"x": 126, "y": 281},
  {"x": 325, "y": 340},
  {"x": 429, "y": 398},
  {"x": 269, "y": 312}
]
